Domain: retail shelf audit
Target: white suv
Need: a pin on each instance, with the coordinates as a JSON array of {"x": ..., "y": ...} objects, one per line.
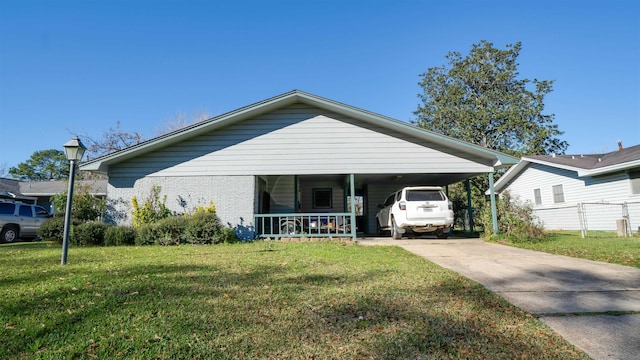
[{"x": 421, "y": 209}]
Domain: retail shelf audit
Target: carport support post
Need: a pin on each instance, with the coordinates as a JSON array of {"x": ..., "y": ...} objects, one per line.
[
  {"x": 352, "y": 191},
  {"x": 494, "y": 212},
  {"x": 469, "y": 207}
]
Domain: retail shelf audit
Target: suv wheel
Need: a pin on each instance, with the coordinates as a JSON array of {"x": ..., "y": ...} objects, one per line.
[
  {"x": 9, "y": 234},
  {"x": 441, "y": 234},
  {"x": 395, "y": 231}
]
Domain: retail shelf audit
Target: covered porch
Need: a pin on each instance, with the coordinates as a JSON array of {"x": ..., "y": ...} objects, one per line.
[{"x": 336, "y": 205}]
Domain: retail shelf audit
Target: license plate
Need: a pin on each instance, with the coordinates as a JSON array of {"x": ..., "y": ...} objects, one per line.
[{"x": 427, "y": 209}]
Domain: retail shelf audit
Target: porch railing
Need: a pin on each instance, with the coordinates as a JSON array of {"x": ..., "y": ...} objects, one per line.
[{"x": 304, "y": 225}]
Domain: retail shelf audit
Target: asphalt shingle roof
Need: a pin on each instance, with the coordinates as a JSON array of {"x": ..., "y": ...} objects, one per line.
[{"x": 593, "y": 161}]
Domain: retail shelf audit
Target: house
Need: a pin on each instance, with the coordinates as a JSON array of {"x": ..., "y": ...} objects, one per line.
[
  {"x": 292, "y": 164},
  {"x": 40, "y": 192},
  {"x": 579, "y": 192}
]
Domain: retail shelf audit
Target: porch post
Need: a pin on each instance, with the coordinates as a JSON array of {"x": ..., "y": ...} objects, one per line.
[
  {"x": 494, "y": 212},
  {"x": 469, "y": 207},
  {"x": 352, "y": 190}
]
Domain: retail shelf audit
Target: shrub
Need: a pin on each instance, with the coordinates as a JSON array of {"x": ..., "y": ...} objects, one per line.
[
  {"x": 90, "y": 233},
  {"x": 170, "y": 231},
  {"x": 85, "y": 207},
  {"x": 515, "y": 220},
  {"x": 152, "y": 210},
  {"x": 229, "y": 235},
  {"x": 146, "y": 234},
  {"x": 211, "y": 208},
  {"x": 53, "y": 229},
  {"x": 119, "y": 235},
  {"x": 203, "y": 228}
]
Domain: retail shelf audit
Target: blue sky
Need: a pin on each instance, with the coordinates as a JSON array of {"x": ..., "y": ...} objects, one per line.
[{"x": 80, "y": 66}]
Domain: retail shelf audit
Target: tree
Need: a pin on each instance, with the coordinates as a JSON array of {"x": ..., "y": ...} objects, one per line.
[
  {"x": 181, "y": 120},
  {"x": 112, "y": 140},
  {"x": 43, "y": 165},
  {"x": 481, "y": 99},
  {"x": 85, "y": 207}
]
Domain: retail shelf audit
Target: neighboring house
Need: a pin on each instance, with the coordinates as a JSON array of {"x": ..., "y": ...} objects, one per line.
[
  {"x": 573, "y": 192},
  {"x": 294, "y": 159},
  {"x": 40, "y": 192}
]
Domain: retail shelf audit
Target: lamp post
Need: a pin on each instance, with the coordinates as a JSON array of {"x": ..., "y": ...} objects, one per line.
[{"x": 73, "y": 149}]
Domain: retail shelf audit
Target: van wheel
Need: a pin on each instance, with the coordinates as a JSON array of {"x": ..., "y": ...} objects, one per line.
[
  {"x": 395, "y": 232},
  {"x": 9, "y": 234}
]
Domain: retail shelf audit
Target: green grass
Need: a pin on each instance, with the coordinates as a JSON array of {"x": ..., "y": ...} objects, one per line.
[
  {"x": 599, "y": 246},
  {"x": 254, "y": 301}
]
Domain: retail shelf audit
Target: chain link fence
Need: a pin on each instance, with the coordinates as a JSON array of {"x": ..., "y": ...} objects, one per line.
[{"x": 593, "y": 216}]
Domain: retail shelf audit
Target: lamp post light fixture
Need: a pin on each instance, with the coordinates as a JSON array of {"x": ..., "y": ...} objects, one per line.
[{"x": 74, "y": 150}]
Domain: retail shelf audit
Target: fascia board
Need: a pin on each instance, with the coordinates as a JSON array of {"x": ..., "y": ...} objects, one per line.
[
  {"x": 509, "y": 175},
  {"x": 609, "y": 169}
]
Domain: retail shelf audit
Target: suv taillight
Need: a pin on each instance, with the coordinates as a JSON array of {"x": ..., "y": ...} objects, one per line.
[{"x": 402, "y": 205}]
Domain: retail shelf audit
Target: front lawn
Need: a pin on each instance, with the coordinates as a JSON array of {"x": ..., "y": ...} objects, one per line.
[
  {"x": 599, "y": 246},
  {"x": 260, "y": 300}
]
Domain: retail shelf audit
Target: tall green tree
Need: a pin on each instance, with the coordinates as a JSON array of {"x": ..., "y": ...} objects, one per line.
[
  {"x": 480, "y": 98},
  {"x": 43, "y": 165}
]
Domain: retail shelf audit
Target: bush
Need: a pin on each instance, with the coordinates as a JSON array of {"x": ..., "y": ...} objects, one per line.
[
  {"x": 229, "y": 235},
  {"x": 203, "y": 228},
  {"x": 170, "y": 231},
  {"x": 89, "y": 233},
  {"x": 120, "y": 235},
  {"x": 53, "y": 229},
  {"x": 146, "y": 234},
  {"x": 515, "y": 220},
  {"x": 152, "y": 210},
  {"x": 85, "y": 207}
]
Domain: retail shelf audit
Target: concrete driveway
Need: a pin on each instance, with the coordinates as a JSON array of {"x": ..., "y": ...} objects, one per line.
[{"x": 575, "y": 297}]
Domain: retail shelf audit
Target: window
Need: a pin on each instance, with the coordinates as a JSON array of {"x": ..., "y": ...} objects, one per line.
[
  {"x": 26, "y": 211},
  {"x": 558, "y": 194},
  {"x": 634, "y": 177},
  {"x": 322, "y": 198},
  {"x": 424, "y": 195},
  {"x": 537, "y": 196},
  {"x": 7, "y": 209},
  {"x": 390, "y": 200},
  {"x": 41, "y": 212},
  {"x": 359, "y": 205}
]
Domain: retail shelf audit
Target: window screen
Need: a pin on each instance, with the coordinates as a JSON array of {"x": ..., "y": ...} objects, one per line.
[
  {"x": 634, "y": 177},
  {"x": 537, "y": 196},
  {"x": 558, "y": 194}
]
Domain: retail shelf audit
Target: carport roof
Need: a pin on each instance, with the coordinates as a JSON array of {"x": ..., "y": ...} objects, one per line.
[{"x": 101, "y": 164}]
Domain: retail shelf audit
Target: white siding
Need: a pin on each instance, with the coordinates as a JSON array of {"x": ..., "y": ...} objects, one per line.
[
  {"x": 233, "y": 197},
  {"x": 298, "y": 140},
  {"x": 612, "y": 188}
]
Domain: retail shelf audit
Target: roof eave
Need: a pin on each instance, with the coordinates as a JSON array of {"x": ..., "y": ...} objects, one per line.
[{"x": 609, "y": 169}]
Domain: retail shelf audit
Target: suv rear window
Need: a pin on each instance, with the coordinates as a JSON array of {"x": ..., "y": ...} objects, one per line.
[
  {"x": 424, "y": 195},
  {"x": 7, "y": 209}
]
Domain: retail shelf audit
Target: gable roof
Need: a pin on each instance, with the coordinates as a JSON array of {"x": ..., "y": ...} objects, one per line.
[
  {"x": 101, "y": 164},
  {"x": 583, "y": 165}
]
